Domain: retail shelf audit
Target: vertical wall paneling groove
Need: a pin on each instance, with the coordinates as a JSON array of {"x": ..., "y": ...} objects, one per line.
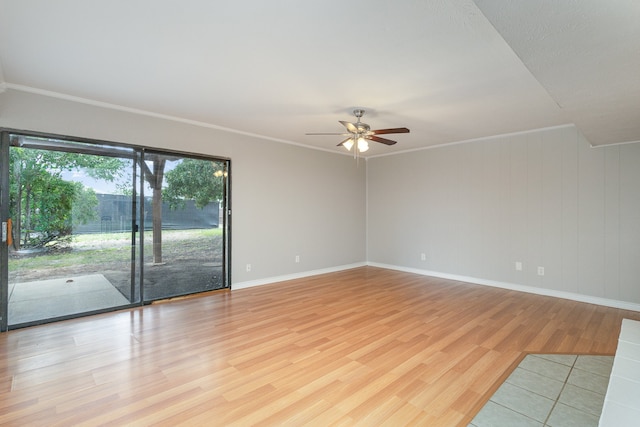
[
  {"x": 591, "y": 220},
  {"x": 518, "y": 207},
  {"x": 469, "y": 184},
  {"x": 612, "y": 223},
  {"x": 629, "y": 222},
  {"x": 551, "y": 209},
  {"x": 495, "y": 214},
  {"x": 534, "y": 208},
  {"x": 570, "y": 185}
]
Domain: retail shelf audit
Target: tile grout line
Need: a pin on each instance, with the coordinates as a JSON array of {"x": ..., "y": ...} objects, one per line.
[
  {"x": 572, "y": 368},
  {"x": 566, "y": 380}
]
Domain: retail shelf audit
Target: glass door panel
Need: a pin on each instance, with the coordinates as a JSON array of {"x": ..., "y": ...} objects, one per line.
[
  {"x": 72, "y": 215},
  {"x": 184, "y": 225}
]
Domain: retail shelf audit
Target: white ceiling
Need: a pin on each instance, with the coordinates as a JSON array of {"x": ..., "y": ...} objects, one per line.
[{"x": 450, "y": 70}]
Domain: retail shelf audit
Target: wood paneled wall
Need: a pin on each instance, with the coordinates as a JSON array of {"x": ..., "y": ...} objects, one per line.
[{"x": 544, "y": 198}]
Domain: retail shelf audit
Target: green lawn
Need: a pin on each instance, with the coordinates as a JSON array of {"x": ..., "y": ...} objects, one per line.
[{"x": 105, "y": 248}]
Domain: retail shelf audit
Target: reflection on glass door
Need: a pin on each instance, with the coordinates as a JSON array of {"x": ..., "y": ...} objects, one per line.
[
  {"x": 184, "y": 225},
  {"x": 71, "y": 219}
]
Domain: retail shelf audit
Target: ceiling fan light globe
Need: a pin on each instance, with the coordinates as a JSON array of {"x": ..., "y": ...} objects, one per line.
[
  {"x": 348, "y": 144},
  {"x": 363, "y": 145}
]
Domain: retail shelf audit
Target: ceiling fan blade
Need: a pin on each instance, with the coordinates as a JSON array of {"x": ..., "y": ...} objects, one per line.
[
  {"x": 382, "y": 140},
  {"x": 392, "y": 130},
  {"x": 326, "y": 133},
  {"x": 343, "y": 142},
  {"x": 350, "y": 126}
]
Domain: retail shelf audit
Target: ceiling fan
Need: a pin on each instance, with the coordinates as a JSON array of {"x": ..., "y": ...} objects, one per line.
[{"x": 359, "y": 134}]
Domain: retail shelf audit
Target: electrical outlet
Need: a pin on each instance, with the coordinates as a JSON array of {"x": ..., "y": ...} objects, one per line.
[
  {"x": 297, "y": 258},
  {"x": 423, "y": 257},
  {"x": 518, "y": 266},
  {"x": 540, "y": 271},
  {"x": 248, "y": 267}
]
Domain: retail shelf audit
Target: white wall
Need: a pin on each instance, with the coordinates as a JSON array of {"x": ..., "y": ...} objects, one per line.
[
  {"x": 543, "y": 198},
  {"x": 286, "y": 200}
]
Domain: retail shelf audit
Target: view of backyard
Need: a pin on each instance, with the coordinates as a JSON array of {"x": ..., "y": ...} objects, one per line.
[
  {"x": 94, "y": 272},
  {"x": 198, "y": 252},
  {"x": 72, "y": 209}
]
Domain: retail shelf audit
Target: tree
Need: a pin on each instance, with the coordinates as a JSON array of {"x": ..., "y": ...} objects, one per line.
[
  {"x": 191, "y": 179},
  {"x": 54, "y": 201},
  {"x": 38, "y": 195},
  {"x": 85, "y": 205},
  {"x": 155, "y": 178},
  {"x": 195, "y": 180}
]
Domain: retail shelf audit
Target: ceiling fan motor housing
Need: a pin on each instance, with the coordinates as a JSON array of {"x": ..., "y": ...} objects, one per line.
[{"x": 362, "y": 127}]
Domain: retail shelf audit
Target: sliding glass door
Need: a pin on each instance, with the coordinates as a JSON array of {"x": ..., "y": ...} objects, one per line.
[
  {"x": 184, "y": 224},
  {"x": 70, "y": 228},
  {"x": 89, "y": 227}
]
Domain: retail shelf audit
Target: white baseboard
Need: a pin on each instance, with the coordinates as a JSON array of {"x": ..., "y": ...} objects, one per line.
[
  {"x": 624, "y": 305},
  {"x": 265, "y": 281}
]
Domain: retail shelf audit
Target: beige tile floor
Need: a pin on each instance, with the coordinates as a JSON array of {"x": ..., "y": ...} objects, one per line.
[{"x": 550, "y": 390}]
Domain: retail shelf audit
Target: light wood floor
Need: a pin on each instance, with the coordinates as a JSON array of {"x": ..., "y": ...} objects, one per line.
[{"x": 366, "y": 346}]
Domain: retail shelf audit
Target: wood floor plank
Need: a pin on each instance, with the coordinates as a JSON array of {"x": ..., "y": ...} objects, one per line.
[{"x": 366, "y": 346}]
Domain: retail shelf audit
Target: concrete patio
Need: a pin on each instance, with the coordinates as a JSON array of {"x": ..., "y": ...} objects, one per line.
[{"x": 43, "y": 299}]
